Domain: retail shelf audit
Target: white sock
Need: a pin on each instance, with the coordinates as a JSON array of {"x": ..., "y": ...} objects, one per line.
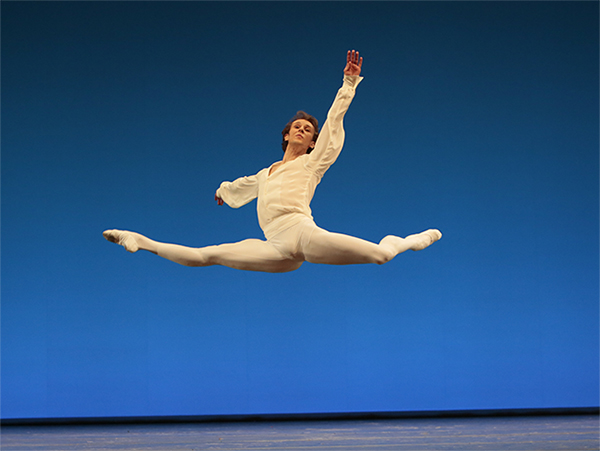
[
  {"x": 122, "y": 237},
  {"x": 424, "y": 239}
]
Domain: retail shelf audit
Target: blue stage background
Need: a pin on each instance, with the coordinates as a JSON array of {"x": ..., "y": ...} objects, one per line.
[{"x": 477, "y": 118}]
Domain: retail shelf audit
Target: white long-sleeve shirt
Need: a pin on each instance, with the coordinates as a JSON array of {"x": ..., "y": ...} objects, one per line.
[{"x": 291, "y": 187}]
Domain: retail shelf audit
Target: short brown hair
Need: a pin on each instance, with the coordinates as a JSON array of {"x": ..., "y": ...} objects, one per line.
[{"x": 307, "y": 117}]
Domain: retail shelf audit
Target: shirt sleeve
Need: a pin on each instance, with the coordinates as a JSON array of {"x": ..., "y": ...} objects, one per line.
[
  {"x": 331, "y": 137},
  {"x": 239, "y": 192}
]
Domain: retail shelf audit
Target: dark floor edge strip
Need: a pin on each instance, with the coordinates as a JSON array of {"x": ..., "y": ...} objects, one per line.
[{"x": 332, "y": 416}]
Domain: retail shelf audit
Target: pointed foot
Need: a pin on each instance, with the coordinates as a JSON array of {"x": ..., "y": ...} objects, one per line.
[
  {"x": 425, "y": 239},
  {"x": 122, "y": 238}
]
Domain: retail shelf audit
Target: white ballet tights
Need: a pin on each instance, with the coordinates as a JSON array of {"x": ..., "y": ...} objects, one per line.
[{"x": 284, "y": 252}]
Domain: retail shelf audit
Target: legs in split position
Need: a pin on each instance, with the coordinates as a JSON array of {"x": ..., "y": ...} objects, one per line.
[{"x": 285, "y": 252}]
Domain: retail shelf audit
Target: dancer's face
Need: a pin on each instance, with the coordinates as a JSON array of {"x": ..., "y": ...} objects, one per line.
[{"x": 301, "y": 134}]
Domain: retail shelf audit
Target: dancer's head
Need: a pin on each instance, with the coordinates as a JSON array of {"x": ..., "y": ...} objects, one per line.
[{"x": 299, "y": 129}]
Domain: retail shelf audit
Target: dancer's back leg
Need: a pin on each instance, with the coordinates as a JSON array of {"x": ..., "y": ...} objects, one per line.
[
  {"x": 322, "y": 246},
  {"x": 249, "y": 255}
]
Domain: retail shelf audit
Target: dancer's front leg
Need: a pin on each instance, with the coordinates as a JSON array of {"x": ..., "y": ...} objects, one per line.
[{"x": 249, "y": 255}]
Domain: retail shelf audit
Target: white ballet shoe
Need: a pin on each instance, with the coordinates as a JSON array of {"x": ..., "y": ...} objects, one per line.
[
  {"x": 425, "y": 239},
  {"x": 122, "y": 238}
]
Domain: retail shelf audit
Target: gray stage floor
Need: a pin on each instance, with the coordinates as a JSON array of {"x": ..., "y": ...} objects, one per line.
[{"x": 498, "y": 433}]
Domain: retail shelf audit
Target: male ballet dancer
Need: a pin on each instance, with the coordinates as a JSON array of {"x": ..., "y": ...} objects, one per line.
[{"x": 284, "y": 191}]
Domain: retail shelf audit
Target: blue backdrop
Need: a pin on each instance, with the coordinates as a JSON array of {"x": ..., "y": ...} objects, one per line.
[{"x": 477, "y": 118}]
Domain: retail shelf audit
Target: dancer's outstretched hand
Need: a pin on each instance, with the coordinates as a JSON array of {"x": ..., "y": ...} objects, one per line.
[
  {"x": 219, "y": 200},
  {"x": 353, "y": 63}
]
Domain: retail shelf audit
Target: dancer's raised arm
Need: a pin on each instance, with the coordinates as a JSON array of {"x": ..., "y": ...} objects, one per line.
[{"x": 331, "y": 137}]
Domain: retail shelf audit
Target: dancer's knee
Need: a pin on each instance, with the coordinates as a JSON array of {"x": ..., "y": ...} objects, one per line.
[
  {"x": 192, "y": 257},
  {"x": 383, "y": 256},
  {"x": 195, "y": 263},
  {"x": 249, "y": 255},
  {"x": 207, "y": 256}
]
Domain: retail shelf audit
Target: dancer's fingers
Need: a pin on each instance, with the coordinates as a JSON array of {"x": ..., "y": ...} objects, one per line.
[{"x": 354, "y": 58}]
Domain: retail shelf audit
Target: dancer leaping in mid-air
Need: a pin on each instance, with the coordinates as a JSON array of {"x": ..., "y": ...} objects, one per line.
[{"x": 284, "y": 191}]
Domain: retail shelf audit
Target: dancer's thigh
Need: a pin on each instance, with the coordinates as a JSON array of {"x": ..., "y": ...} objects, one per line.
[
  {"x": 332, "y": 248},
  {"x": 250, "y": 255}
]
